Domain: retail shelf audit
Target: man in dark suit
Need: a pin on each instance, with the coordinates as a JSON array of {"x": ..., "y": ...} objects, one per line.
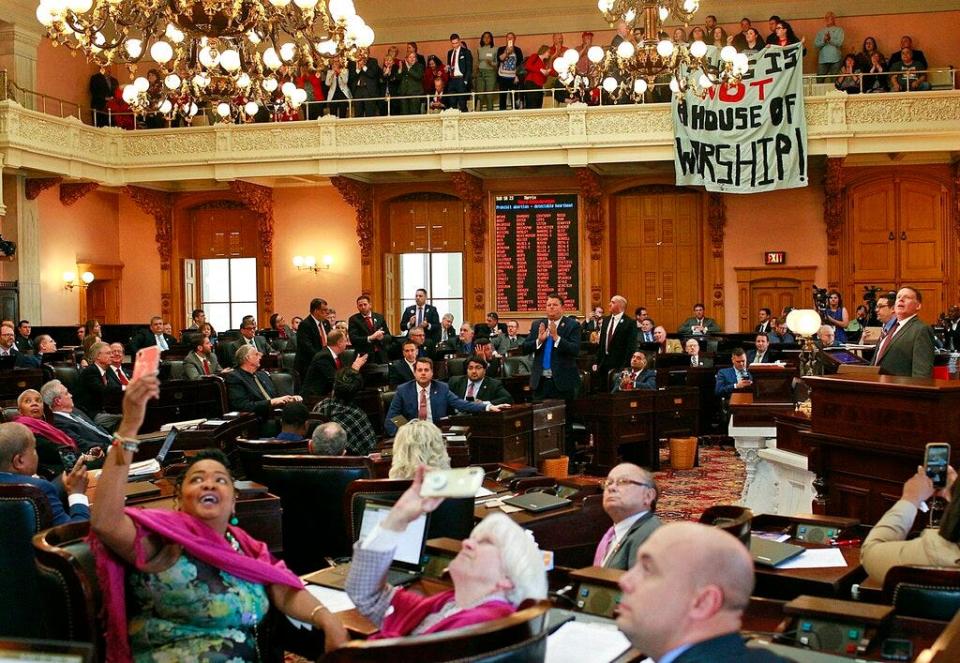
[
  {"x": 425, "y": 347},
  {"x": 554, "y": 342},
  {"x": 483, "y": 348},
  {"x": 764, "y": 322},
  {"x": 250, "y": 389},
  {"x": 699, "y": 324},
  {"x": 491, "y": 328},
  {"x": 18, "y": 464},
  {"x": 425, "y": 398},
  {"x": 734, "y": 378},
  {"x": 249, "y": 336},
  {"x": 8, "y": 348},
  {"x": 95, "y": 382},
  {"x": 369, "y": 333},
  {"x": 152, "y": 336},
  {"x": 462, "y": 344},
  {"x": 630, "y": 499},
  {"x": 318, "y": 381},
  {"x": 617, "y": 341},
  {"x": 448, "y": 331},
  {"x": 311, "y": 335},
  {"x": 693, "y": 350},
  {"x": 593, "y": 323},
  {"x": 638, "y": 376},
  {"x": 71, "y": 420},
  {"x": 460, "y": 69},
  {"x": 907, "y": 349},
  {"x": 423, "y": 315},
  {"x": 23, "y": 342},
  {"x": 476, "y": 386},
  {"x": 102, "y": 89},
  {"x": 762, "y": 354},
  {"x": 402, "y": 369},
  {"x": 700, "y": 578},
  {"x": 504, "y": 343}
]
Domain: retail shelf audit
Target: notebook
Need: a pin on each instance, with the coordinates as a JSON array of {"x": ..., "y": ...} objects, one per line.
[
  {"x": 771, "y": 553},
  {"x": 536, "y": 501},
  {"x": 407, "y": 563}
]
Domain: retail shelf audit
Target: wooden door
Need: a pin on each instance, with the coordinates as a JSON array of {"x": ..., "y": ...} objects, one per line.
[
  {"x": 409, "y": 232},
  {"x": 189, "y": 288},
  {"x": 872, "y": 213},
  {"x": 445, "y": 222},
  {"x": 776, "y": 295},
  {"x": 921, "y": 224},
  {"x": 103, "y": 301}
]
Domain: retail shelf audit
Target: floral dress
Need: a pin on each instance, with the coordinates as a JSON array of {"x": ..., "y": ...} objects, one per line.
[{"x": 194, "y": 611}]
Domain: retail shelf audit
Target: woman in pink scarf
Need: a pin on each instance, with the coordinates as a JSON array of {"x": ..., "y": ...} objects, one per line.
[
  {"x": 57, "y": 452},
  {"x": 196, "y": 587}
]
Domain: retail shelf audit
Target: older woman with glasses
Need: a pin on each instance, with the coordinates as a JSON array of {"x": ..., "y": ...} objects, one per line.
[{"x": 630, "y": 499}]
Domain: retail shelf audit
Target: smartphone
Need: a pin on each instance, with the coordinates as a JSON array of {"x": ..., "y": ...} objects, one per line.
[
  {"x": 147, "y": 362},
  {"x": 936, "y": 457},
  {"x": 459, "y": 482}
]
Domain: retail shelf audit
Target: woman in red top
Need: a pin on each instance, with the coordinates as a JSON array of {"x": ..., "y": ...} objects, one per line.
[
  {"x": 536, "y": 76},
  {"x": 434, "y": 70}
]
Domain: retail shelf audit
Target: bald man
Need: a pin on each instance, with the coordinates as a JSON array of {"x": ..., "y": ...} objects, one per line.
[
  {"x": 630, "y": 499},
  {"x": 700, "y": 579}
]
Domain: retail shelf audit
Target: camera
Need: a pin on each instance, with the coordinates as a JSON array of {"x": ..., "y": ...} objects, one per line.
[
  {"x": 870, "y": 301},
  {"x": 8, "y": 249},
  {"x": 820, "y": 299}
]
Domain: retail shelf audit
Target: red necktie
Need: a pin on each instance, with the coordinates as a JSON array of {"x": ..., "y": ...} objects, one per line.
[
  {"x": 885, "y": 343},
  {"x": 471, "y": 390},
  {"x": 122, "y": 377},
  {"x": 422, "y": 412},
  {"x": 206, "y": 367},
  {"x": 103, "y": 378},
  {"x": 369, "y": 320},
  {"x": 339, "y": 363}
]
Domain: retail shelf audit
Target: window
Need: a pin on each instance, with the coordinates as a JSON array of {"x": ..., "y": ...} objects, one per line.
[
  {"x": 441, "y": 274},
  {"x": 228, "y": 290}
]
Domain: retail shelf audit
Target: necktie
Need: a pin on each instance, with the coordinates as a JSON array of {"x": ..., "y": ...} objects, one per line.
[
  {"x": 369, "y": 320},
  {"x": 103, "y": 379},
  {"x": 609, "y": 334},
  {"x": 85, "y": 423},
  {"x": 471, "y": 390},
  {"x": 263, "y": 391},
  {"x": 547, "y": 352},
  {"x": 323, "y": 333},
  {"x": 339, "y": 363},
  {"x": 162, "y": 342},
  {"x": 885, "y": 343},
  {"x": 121, "y": 376},
  {"x": 206, "y": 367},
  {"x": 419, "y": 316},
  {"x": 648, "y": 337},
  {"x": 422, "y": 411},
  {"x": 453, "y": 58},
  {"x": 633, "y": 378},
  {"x": 604, "y": 547}
]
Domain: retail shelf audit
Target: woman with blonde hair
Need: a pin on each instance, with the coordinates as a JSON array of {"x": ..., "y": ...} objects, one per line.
[{"x": 418, "y": 443}]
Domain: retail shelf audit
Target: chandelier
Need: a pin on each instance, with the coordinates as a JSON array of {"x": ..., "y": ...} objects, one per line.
[
  {"x": 628, "y": 70},
  {"x": 233, "y": 55}
]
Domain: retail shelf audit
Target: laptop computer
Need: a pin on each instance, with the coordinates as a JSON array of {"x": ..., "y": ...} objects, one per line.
[
  {"x": 407, "y": 563},
  {"x": 771, "y": 553},
  {"x": 536, "y": 501}
]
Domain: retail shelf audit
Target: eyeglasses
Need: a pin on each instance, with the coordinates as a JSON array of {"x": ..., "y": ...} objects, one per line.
[{"x": 622, "y": 483}]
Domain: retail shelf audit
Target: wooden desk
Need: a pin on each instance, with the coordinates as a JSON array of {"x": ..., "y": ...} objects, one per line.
[
  {"x": 525, "y": 432},
  {"x": 748, "y": 412},
  {"x": 179, "y": 400},
  {"x": 221, "y": 436},
  {"x": 789, "y": 427}
]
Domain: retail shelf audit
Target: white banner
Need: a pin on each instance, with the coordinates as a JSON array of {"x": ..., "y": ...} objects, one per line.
[{"x": 750, "y": 137}]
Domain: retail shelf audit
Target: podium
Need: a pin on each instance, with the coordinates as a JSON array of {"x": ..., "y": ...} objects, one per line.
[
  {"x": 867, "y": 436},
  {"x": 526, "y": 432}
]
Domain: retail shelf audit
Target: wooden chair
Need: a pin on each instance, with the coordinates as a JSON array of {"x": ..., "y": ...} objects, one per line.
[
  {"x": 24, "y": 511},
  {"x": 927, "y": 592},
  {"x": 251, "y": 453},
  {"x": 14, "y": 382},
  {"x": 519, "y": 637},
  {"x": 733, "y": 519}
]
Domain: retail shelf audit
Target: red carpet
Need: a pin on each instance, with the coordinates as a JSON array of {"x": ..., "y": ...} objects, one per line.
[{"x": 684, "y": 494}]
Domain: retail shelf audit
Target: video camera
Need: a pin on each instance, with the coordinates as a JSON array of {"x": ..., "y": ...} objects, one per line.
[{"x": 820, "y": 300}]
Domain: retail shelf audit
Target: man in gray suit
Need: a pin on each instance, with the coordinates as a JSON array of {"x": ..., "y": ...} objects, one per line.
[
  {"x": 202, "y": 361},
  {"x": 907, "y": 348},
  {"x": 630, "y": 499}
]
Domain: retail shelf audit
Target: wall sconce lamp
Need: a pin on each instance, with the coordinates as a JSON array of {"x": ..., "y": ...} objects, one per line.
[
  {"x": 310, "y": 262},
  {"x": 70, "y": 280}
]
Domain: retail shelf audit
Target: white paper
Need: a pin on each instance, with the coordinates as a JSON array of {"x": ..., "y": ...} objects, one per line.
[
  {"x": 335, "y": 600},
  {"x": 815, "y": 558},
  {"x": 576, "y": 642},
  {"x": 483, "y": 492},
  {"x": 509, "y": 508}
]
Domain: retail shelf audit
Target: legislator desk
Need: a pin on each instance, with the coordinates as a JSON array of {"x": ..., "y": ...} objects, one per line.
[
  {"x": 219, "y": 433},
  {"x": 701, "y": 378},
  {"x": 179, "y": 400},
  {"x": 868, "y": 434},
  {"x": 523, "y": 432},
  {"x": 628, "y": 425}
]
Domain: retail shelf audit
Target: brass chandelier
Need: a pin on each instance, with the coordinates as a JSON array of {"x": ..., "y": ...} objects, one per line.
[
  {"x": 233, "y": 55},
  {"x": 628, "y": 70}
]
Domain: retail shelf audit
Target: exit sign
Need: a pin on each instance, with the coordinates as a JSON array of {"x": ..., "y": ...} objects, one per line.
[{"x": 775, "y": 258}]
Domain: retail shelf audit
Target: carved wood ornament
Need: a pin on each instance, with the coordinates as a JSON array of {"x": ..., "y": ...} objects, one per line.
[
  {"x": 71, "y": 193},
  {"x": 37, "y": 185},
  {"x": 717, "y": 221},
  {"x": 359, "y": 195},
  {"x": 956, "y": 198},
  {"x": 833, "y": 204},
  {"x": 260, "y": 200},
  {"x": 470, "y": 188},
  {"x": 592, "y": 193},
  {"x": 160, "y": 206}
]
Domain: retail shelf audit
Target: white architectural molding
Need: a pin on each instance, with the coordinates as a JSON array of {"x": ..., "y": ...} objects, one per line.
[{"x": 838, "y": 125}]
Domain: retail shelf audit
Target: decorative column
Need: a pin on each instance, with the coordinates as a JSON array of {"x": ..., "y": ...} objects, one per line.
[
  {"x": 713, "y": 272},
  {"x": 260, "y": 200},
  {"x": 470, "y": 189},
  {"x": 159, "y": 205},
  {"x": 591, "y": 191},
  {"x": 359, "y": 195},
  {"x": 22, "y": 226},
  {"x": 833, "y": 219},
  {"x": 18, "y": 55}
]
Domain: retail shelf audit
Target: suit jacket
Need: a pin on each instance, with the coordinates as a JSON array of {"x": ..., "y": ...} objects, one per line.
[
  {"x": 400, "y": 372},
  {"x": 504, "y": 344},
  {"x": 641, "y": 338},
  {"x": 673, "y": 345},
  {"x": 24, "y": 344},
  {"x": 726, "y": 381},
  {"x": 309, "y": 343},
  {"x": 91, "y": 388},
  {"x": 768, "y": 357},
  {"x": 706, "y": 362},
  {"x": 563, "y": 361},
  {"x": 763, "y": 328},
  {"x": 456, "y": 346},
  {"x": 78, "y": 512},
  {"x": 686, "y": 329},
  {"x": 145, "y": 338},
  {"x": 910, "y": 351},
  {"x": 442, "y": 402},
  {"x": 622, "y": 345},
  {"x": 728, "y": 647},
  {"x": 358, "y": 331},
  {"x": 193, "y": 367},
  {"x": 431, "y": 316},
  {"x": 625, "y": 554},
  {"x": 85, "y": 438},
  {"x": 491, "y": 390},
  {"x": 245, "y": 396},
  {"x": 112, "y": 376},
  {"x": 319, "y": 378},
  {"x": 21, "y": 360},
  {"x": 646, "y": 380},
  {"x": 464, "y": 62}
]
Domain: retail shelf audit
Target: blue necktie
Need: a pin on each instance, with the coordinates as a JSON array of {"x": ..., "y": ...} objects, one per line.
[{"x": 547, "y": 352}]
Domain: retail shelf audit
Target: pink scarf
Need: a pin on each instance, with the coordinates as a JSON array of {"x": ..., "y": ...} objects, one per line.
[
  {"x": 411, "y": 608},
  {"x": 197, "y": 539},
  {"x": 49, "y": 431}
]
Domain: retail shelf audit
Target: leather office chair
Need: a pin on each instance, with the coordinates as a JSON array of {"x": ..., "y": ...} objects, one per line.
[
  {"x": 456, "y": 366},
  {"x": 9, "y": 413},
  {"x": 285, "y": 382},
  {"x": 287, "y": 360},
  {"x": 453, "y": 518},
  {"x": 24, "y": 511},
  {"x": 311, "y": 490},
  {"x": 346, "y": 359},
  {"x": 68, "y": 375},
  {"x": 386, "y": 397},
  {"x": 733, "y": 519},
  {"x": 516, "y": 365},
  {"x": 251, "y": 453},
  {"x": 175, "y": 370},
  {"x": 926, "y": 592},
  {"x": 519, "y": 637}
]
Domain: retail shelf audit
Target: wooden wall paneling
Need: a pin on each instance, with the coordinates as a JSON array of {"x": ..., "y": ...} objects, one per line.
[
  {"x": 922, "y": 212},
  {"x": 594, "y": 233},
  {"x": 102, "y": 298},
  {"x": 833, "y": 216},
  {"x": 711, "y": 256},
  {"x": 873, "y": 228},
  {"x": 773, "y": 287}
]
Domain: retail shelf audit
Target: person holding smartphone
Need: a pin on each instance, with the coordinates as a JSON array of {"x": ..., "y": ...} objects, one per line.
[
  {"x": 509, "y": 61},
  {"x": 886, "y": 546}
]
